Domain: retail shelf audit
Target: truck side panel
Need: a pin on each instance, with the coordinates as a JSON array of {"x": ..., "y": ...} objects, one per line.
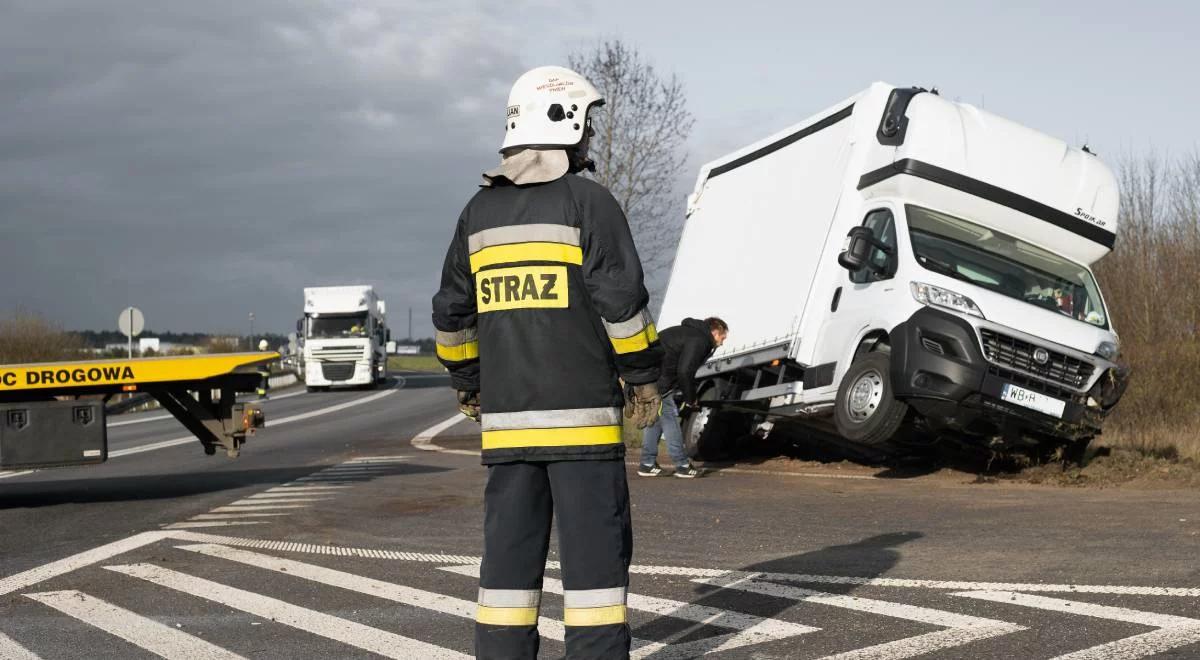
[{"x": 752, "y": 242}]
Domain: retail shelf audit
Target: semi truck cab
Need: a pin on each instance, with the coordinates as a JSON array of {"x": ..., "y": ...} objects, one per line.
[{"x": 345, "y": 337}]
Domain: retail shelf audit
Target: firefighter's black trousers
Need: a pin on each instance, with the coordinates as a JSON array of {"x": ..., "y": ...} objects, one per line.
[{"x": 590, "y": 500}]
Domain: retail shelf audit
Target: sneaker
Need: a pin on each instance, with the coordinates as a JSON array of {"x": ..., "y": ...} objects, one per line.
[
  {"x": 688, "y": 471},
  {"x": 649, "y": 470}
]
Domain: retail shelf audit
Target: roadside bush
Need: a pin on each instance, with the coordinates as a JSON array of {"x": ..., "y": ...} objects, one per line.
[
  {"x": 30, "y": 338},
  {"x": 1152, "y": 285}
]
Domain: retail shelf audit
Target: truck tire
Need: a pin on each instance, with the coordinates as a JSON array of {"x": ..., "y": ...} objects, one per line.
[
  {"x": 865, "y": 410},
  {"x": 709, "y": 433}
]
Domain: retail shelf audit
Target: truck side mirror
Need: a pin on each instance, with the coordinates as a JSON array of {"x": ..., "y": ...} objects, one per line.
[
  {"x": 856, "y": 250},
  {"x": 299, "y": 325},
  {"x": 387, "y": 335},
  {"x": 856, "y": 254}
]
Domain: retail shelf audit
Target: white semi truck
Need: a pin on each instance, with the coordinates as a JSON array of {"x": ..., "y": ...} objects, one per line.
[
  {"x": 900, "y": 266},
  {"x": 345, "y": 337}
]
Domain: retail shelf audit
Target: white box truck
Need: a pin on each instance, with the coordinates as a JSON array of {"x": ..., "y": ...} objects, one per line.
[
  {"x": 345, "y": 337},
  {"x": 902, "y": 266}
]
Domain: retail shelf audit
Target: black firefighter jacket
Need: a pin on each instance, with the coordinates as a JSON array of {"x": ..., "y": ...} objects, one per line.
[
  {"x": 686, "y": 348},
  {"x": 542, "y": 306}
]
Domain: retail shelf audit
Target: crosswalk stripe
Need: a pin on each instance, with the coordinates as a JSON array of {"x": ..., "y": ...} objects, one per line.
[
  {"x": 281, "y": 500},
  {"x": 77, "y": 561},
  {"x": 963, "y": 628},
  {"x": 751, "y": 629},
  {"x": 287, "y": 489},
  {"x": 265, "y": 507},
  {"x": 1174, "y": 631},
  {"x": 1139, "y": 646},
  {"x": 381, "y": 642},
  {"x": 213, "y": 523},
  {"x": 234, "y": 516},
  {"x": 10, "y": 650},
  {"x": 162, "y": 640},
  {"x": 277, "y": 495}
]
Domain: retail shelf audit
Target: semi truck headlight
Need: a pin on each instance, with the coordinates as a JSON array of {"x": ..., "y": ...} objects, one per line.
[
  {"x": 1107, "y": 350},
  {"x": 928, "y": 294}
]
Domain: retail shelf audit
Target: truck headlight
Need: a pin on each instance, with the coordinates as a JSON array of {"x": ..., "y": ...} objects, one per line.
[
  {"x": 928, "y": 294},
  {"x": 1108, "y": 350}
]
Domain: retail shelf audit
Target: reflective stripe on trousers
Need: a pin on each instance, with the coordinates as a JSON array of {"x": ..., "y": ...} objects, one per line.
[{"x": 591, "y": 501}]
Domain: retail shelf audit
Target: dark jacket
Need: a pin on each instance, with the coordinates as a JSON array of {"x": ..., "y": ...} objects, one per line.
[
  {"x": 686, "y": 347},
  {"x": 541, "y": 307}
]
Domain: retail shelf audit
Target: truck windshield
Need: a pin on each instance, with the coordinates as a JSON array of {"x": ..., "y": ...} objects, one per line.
[
  {"x": 338, "y": 325},
  {"x": 998, "y": 262}
]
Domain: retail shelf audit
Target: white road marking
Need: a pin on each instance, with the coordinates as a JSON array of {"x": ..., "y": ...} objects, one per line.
[
  {"x": 159, "y": 418},
  {"x": 5, "y": 475},
  {"x": 213, "y": 523},
  {"x": 175, "y": 442},
  {"x": 963, "y": 628},
  {"x": 1173, "y": 631},
  {"x": 380, "y": 459},
  {"x": 283, "y": 489},
  {"x": 325, "y": 411},
  {"x": 156, "y": 418},
  {"x": 10, "y": 650},
  {"x": 282, "y": 500},
  {"x": 265, "y": 507},
  {"x": 234, "y": 516},
  {"x": 74, "y": 562},
  {"x": 751, "y": 629},
  {"x": 381, "y": 642},
  {"x": 301, "y": 496},
  {"x": 149, "y": 634},
  {"x": 424, "y": 439}
]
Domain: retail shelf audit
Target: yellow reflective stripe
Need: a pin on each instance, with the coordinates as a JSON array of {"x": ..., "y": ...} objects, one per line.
[
  {"x": 594, "y": 616},
  {"x": 562, "y": 437},
  {"x": 516, "y": 252},
  {"x": 639, "y": 342},
  {"x": 467, "y": 351},
  {"x": 507, "y": 616}
]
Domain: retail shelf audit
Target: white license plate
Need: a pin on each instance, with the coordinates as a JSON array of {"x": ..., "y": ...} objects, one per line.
[{"x": 1033, "y": 400}]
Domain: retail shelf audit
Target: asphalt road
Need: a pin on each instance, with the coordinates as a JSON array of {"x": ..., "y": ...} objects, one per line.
[{"x": 350, "y": 527}]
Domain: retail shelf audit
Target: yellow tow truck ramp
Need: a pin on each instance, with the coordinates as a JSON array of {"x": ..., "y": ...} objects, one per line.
[{"x": 45, "y": 422}]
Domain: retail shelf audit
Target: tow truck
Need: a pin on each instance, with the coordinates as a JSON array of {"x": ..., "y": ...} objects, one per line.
[{"x": 53, "y": 414}]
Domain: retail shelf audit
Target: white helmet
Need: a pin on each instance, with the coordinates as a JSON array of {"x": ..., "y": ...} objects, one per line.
[
  {"x": 262, "y": 345},
  {"x": 548, "y": 107}
]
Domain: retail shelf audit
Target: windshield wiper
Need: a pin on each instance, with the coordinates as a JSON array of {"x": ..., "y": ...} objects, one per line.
[{"x": 944, "y": 268}]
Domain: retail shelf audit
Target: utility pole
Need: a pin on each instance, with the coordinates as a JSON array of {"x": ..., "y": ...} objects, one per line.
[
  {"x": 410, "y": 325},
  {"x": 250, "y": 341}
]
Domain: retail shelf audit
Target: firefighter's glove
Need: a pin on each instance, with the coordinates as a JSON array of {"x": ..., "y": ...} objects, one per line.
[
  {"x": 468, "y": 404},
  {"x": 642, "y": 404}
]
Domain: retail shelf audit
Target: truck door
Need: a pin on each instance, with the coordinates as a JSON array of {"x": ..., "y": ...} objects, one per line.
[{"x": 862, "y": 300}]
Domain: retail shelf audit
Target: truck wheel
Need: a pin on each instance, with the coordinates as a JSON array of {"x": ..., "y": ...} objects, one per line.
[
  {"x": 865, "y": 410},
  {"x": 709, "y": 434}
]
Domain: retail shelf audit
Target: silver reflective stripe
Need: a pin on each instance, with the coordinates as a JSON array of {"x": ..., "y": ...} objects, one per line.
[
  {"x": 456, "y": 338},
  {"x": 551, "y": 419},
  {"x": 582, "y": 598},
  {"x": 510, "y": 597},
  {"x": 631, "y": 327},
  {"x": 543, "y": 233}
]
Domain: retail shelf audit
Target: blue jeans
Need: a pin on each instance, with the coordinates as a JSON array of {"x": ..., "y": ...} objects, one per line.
[{"x": 667, "y": 426}]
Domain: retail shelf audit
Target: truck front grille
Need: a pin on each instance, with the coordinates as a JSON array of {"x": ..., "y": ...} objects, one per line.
[
  {"x": 1049, "y": 389},
  {"x": 1018, "y": 354},
  {"x": 335, "y": 371}
]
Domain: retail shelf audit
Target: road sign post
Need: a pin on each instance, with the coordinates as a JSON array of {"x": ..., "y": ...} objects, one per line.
[{"x": 131, "y": 323}]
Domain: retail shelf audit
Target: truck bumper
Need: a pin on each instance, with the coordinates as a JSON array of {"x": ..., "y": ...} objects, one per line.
[{"x": 939, "y": 368}]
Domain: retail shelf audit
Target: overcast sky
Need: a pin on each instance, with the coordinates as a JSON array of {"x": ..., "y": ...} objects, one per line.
[{"x": 205, "y": 160}]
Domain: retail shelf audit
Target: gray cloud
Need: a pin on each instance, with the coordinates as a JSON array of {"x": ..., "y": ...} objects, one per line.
[{"x": 205, "y": 160}]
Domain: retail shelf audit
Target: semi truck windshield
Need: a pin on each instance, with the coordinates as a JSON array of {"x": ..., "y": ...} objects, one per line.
[
  {"x": 998, "y": 262},
  {"x": 340, "y": 325}
]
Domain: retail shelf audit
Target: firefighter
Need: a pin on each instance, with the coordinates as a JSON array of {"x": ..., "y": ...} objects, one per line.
[
  {"x": 540, "y": 316},
  {"x": 264, "y": 374}
]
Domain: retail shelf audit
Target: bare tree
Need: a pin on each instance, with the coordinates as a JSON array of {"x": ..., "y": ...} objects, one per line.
[{"x": 641, "y": 131}]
